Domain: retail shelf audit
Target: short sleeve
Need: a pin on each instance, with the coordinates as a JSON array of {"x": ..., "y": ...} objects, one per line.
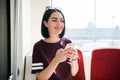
[{"x": 37, "y": 64}]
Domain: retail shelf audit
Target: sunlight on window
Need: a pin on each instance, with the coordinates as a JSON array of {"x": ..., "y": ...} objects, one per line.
[
  {"x": 90, "y": 21},
  {"x": 79, "y": 13},
  {"x": 107, "y": 13}
]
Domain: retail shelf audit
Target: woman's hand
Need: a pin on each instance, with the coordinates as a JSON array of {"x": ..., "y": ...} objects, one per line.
[
  {"x": 61, "y": 55},
  {"x": 69, "y": 53},
  {"x": 64, "y": 54},
  {"x": 73, "y": 57},
  {"x": 72, "y": 54}
]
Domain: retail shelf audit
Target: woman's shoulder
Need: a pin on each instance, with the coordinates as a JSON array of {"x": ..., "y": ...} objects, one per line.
[
  {"x": 66, "y": 40},
  {"x": 38, "y": 43}
]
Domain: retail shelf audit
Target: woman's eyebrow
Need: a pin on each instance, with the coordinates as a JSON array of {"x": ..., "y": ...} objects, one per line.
[{"x": 55, "y": 18}]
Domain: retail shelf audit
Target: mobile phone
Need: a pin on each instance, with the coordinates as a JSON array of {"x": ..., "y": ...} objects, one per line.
[{"x": 70, "y": 45}]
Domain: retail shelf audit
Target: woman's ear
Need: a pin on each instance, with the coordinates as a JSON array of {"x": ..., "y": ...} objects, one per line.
[{"x": 45, "y": 23}]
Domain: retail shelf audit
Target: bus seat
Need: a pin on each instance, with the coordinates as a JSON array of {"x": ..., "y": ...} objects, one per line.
[{"x": 105, "y": 64}]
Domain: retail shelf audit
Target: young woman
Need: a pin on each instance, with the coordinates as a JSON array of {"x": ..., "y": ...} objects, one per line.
[{"x": 50, "y": 59}]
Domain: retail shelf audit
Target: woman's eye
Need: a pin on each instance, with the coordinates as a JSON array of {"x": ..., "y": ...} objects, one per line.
[
  {"x": 62, "y": 21},
  {"x": 54, "y": 20},
  {"x": 58, "y": 20}
]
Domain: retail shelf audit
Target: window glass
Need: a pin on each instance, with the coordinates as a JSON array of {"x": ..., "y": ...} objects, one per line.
[{"x": 91, "y": 21}]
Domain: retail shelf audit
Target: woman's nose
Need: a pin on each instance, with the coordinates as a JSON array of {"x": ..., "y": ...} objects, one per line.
[{"x": 59, "y": 23}]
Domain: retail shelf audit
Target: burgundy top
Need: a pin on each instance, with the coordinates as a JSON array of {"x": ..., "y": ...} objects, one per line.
[{"x": 44, "y": 52}]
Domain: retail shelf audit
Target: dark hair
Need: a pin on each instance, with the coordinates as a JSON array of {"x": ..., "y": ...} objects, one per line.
[{"x": 46, "y": 16}]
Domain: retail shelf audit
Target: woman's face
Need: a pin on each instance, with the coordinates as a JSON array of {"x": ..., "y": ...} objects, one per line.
[{"x": 55, "y": 24}]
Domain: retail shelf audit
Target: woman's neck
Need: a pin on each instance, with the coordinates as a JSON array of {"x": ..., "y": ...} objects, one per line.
[{"x": 52, "y": 39}]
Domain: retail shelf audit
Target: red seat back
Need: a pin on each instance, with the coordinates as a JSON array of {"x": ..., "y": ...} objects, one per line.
[
  {"x": 105, "y": 64},
  {"x": 81, "y": 73}
]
